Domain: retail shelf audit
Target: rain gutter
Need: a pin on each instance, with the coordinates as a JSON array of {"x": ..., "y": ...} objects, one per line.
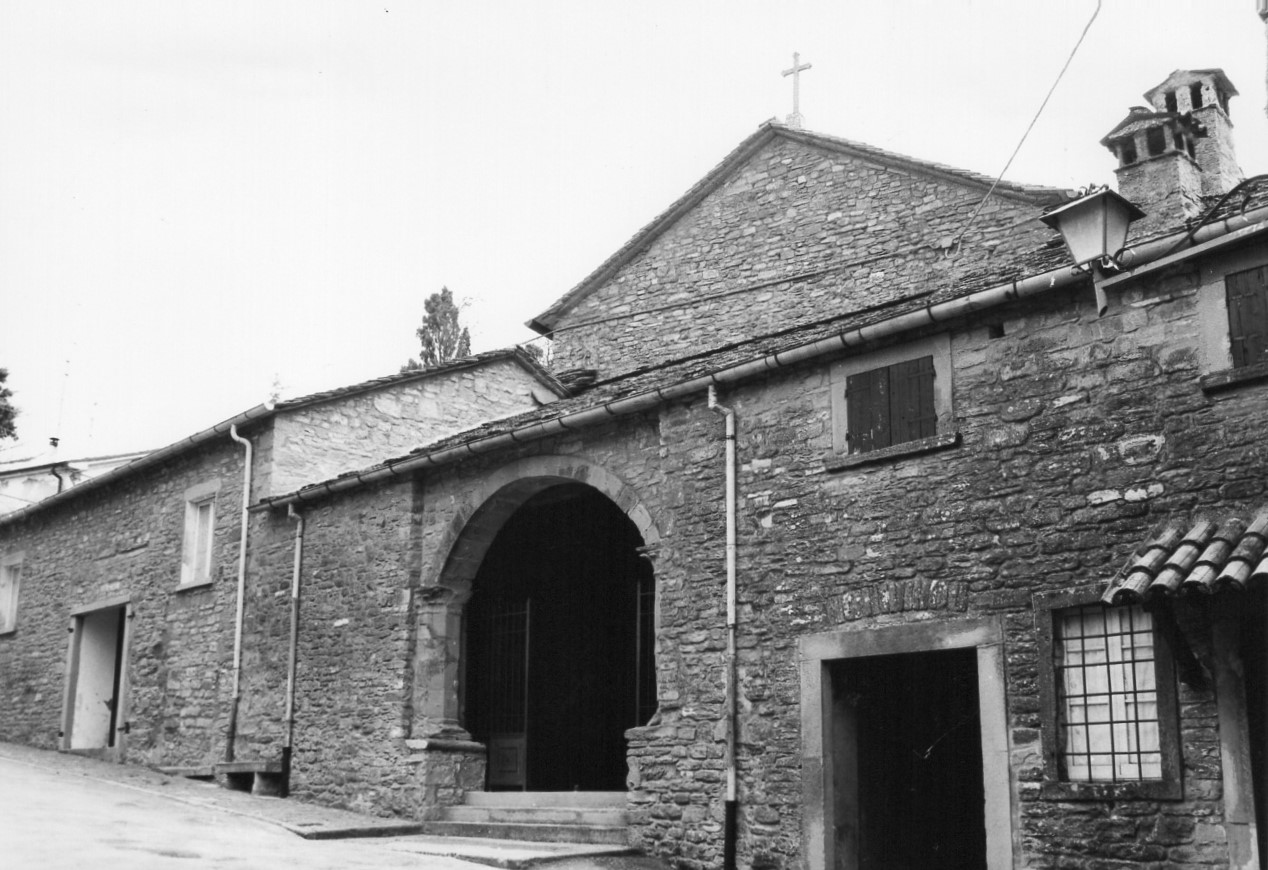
[
  {"x": 1132, "y": 258},
  {"x": 147, "y": 461}
]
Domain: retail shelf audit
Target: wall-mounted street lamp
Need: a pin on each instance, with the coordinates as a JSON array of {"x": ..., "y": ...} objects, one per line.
[{"x": 1094, "y": 228}]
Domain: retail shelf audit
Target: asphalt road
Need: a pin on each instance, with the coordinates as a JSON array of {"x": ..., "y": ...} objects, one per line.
[{"x": 51, "y": 820}]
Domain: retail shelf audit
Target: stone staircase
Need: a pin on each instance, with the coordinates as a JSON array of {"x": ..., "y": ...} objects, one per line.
[{"x": 539, "y": 816}]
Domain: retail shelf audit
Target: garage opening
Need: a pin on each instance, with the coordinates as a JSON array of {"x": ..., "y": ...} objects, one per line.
[
  {"x": 560, "y": 632},
  {"x": 908, "y": 731}
]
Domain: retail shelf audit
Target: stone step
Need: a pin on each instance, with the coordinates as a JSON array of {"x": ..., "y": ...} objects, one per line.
[
  {"x": 601, "y": 816},
  {"x": 536, "y": 833},
  {"x": 597, "y": 799}
]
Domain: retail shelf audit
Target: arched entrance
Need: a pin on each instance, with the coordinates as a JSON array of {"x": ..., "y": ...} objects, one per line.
[{"x": 559, "y": 634}]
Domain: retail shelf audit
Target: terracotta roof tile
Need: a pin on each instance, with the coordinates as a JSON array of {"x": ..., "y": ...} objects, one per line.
[{"x": 1205, "y": 560}]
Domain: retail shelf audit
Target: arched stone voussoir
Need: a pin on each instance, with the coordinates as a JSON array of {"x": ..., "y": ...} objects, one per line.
[{"x": 498, "y": 494}]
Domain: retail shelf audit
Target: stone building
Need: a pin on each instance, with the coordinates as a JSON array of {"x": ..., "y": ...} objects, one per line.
[{"x": 869, "y": 533}]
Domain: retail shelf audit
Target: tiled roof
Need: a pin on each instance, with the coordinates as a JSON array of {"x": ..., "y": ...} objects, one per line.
[{"x": 1205, "y": 559}]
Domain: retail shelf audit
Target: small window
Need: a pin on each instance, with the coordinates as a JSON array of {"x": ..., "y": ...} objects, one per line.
[
  {"x": 10, "y": 581},
  {"x": 199, "y": 540},
  {"x": 1155, "y": 141},
  {"x": 1109, "y": 702},
  {"x": 1195, "y": 95},
  {"x": 891, "y": 405},
  {"x": 1170, "y": 100},
  {"x": 1247, "y": 296}
]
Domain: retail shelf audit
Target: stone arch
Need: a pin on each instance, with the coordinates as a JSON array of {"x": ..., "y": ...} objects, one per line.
[
  {"x": 449, "y": 576},
  {"x": 502, "y": 492}
]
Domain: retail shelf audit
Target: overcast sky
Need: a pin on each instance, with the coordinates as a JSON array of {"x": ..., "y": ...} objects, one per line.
[{"x": 200, "y": 199}]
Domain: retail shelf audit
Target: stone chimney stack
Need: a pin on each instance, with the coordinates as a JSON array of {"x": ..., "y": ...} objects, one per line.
[{"x": 1178, "y": 150}]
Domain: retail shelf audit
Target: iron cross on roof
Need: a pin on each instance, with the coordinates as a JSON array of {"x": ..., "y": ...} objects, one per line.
[{"x": 794, "y": 120}]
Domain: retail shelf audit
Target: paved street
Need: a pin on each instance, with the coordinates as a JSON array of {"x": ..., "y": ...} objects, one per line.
[
  {"x": 54, "y": 819},
  {"x": 64, "y": 811}
]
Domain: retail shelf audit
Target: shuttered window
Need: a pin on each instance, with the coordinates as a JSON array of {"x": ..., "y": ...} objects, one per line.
[
  {"x": 1247, "y": 296},
  {"x": 891, "y": 405}
]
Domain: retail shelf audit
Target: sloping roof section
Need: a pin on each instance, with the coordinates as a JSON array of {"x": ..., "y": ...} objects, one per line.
[
  {"x": 765, "y": 134},
  {"x": 448, "y": 367},
  {"x": 1205, "y": 558},
  {"x": 266, "y": 411}
]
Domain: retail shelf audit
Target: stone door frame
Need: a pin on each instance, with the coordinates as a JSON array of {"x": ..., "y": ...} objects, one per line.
[
  {"x": 447, "y": 581},
  {"x": 822, "y": 771}
]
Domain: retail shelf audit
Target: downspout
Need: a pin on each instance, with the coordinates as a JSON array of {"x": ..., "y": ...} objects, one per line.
[
  {"x": 729, "y": 831},
  {"x": 293, "y": 657},
  {"x": 61, "y": 482},
  {"x": 232, "y": 732}
]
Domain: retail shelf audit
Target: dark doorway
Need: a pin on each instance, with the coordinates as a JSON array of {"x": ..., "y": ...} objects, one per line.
[
  {"x": 912, "y": 742},
  {"x": 559, "y": 644},
  {"x": 1254, "y": 654}
]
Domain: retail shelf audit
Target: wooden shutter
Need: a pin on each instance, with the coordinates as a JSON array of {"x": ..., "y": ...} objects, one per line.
[
  {"x": 867, "y": 409},
  {"x": 1247, "y": 295},
  {"x": 912, "y": 414}
]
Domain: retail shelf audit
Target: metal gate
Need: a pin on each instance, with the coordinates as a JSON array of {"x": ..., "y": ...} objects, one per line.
[{"x": 506, "y": 692}]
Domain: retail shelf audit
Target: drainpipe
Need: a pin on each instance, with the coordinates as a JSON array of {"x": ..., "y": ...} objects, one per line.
[
  {"x": 61, "y": 481},
  {"x": 293, "y": 659},
  {"x": 232, "y": 733},
  {"x": 729, "y": 831}
]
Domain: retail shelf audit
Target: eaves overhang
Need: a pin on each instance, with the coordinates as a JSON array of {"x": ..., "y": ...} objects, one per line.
[{"x": 1053, "y": 279}]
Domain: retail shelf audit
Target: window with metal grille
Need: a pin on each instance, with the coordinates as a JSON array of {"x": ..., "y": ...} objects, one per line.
[
  {"x": 891, "y": 405},
  {"x": 1247, "y": 296},
  {"x": 1107, "y": 691},
  {"x": 1109, "y": 709}
]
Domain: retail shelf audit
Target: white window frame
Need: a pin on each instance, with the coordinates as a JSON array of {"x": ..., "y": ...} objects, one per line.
[
  {"x": 10, "y": 591},
  {"x": 198, "y": 543}
]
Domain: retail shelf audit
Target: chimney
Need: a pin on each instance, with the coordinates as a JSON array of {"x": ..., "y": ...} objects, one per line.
[
  {"x": 1204, "y": 93},
  {"x": 1178, "y": 150}
]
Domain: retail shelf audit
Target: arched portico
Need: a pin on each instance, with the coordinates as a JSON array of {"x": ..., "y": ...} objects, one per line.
[{"x": 558, "y": 534}]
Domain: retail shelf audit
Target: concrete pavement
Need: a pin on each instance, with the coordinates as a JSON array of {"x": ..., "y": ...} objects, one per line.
[{"x": 66, "y": 811}]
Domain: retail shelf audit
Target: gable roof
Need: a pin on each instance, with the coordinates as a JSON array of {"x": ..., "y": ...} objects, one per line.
[
  {"x": 268, "y": 410},
  {"x": 768, "y": 132}
]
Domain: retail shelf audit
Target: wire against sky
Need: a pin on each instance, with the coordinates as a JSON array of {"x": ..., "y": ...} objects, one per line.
[{"x": 969, "y": 224}]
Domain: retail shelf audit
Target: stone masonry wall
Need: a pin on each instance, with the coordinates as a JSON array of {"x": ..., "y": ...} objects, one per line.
[
  {"x": 864, "y": 233},
  {"x": 317, "y": 442},
  {"x": 126, "y": 541},
  {"x": 355, "y": 650},
  {"x": 1079, "y": 435}
]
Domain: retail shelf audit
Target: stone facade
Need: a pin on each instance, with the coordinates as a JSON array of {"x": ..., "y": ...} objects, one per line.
[
  {"x": 315, "y": 441},
  {"x": 126, "y": 544},
  {"x": 1064, "y": 439}
]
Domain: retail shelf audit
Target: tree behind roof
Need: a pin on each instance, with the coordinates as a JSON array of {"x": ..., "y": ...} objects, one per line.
[
  {"x": 441, "y": 336},
  {"x": 8, "y": 413}
]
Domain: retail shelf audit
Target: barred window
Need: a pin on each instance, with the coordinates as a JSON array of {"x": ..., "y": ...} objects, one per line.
[
  {"x": 1107, "y": 691},
  {"x": 1109, "y": 709}
]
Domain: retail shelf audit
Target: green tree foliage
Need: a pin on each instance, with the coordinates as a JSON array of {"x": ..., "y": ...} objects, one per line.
[
  {"x": 441, "y": 336},
  {"x": 8, "y": 413}
]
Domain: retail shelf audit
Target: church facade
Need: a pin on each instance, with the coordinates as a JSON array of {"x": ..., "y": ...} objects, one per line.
[{"x": 861, "y": 529}]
